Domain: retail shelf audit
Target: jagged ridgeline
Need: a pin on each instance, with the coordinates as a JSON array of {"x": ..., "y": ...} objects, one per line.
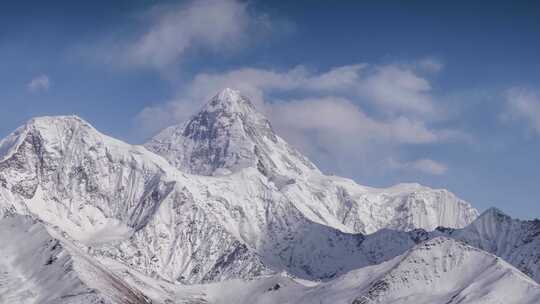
[{"x": 223, "y": 201}]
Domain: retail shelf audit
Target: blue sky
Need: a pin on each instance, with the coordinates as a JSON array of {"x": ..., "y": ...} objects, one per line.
[{"x": 445, "y": 94}]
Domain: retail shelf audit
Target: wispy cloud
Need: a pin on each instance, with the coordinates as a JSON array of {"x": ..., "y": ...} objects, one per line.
[
  {"x": 39, "y": 83},
  {"x": 168, "y": 32},
  {"x": 398, "y": 89},
  {"x": 208, "y": 23},
  {"x": 524, "y": 105},
  {"x": 424, "y": 165}
]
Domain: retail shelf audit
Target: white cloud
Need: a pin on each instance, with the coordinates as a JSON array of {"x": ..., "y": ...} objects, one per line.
[
  {"x": 39, "y": 83},
  {"x": 424, "y": 165},
  {"x": 398, "y": 89},
  {"x": 339, "y": 78},
  {"x": 392, "y": 89},
  {"x": 208, "y": 23},
  {"x": 154, "y": 118},
  {"x": 523, "y": 104},
  {"x": 337, "y": 133},
  {"x": 169, "y": 32},
  {"x": 340, "y": 117}
]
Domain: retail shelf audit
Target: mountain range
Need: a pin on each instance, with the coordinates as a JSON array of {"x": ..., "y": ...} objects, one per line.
[{"x": 220, "y": 209}]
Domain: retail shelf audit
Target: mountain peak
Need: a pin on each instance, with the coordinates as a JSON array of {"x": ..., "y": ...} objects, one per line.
[
  {"x": 494, "y": 213},
  {"x": 229, "y": 111},
  {"x": 228, "y": 93},
  {"x": 227, "y": 135},
  {"x": 44, "y": 119},
  {"x": 46, "y": 127},
  {"x": 231, "y": 101},
  {"x": 52, "y": 123}
]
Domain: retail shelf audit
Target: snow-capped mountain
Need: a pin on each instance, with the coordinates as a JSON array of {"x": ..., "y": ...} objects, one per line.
[
  {"x": 126, "y": 202},
  {"x": 69, "y": 175},
  {"x": 220, "y": 197},
  {"x": 229, "y": 135},
  {"x": 226, "y": 136}
]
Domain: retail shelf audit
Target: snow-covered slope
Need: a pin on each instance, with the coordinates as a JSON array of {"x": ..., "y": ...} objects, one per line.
[
  {"x": 37, "y": 268},
  {"x": 34, "y": 268},
  {"x": 516, "y": 241},
  {"x": 231, "y": 233},
  {"x": 440, "y": 270}
]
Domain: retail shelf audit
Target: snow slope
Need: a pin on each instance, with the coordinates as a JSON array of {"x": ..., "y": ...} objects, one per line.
[
  {"x": 440, "y": 270},
  {"x": 516, "y": 241},
  {"x": 37, "y": 268}
]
